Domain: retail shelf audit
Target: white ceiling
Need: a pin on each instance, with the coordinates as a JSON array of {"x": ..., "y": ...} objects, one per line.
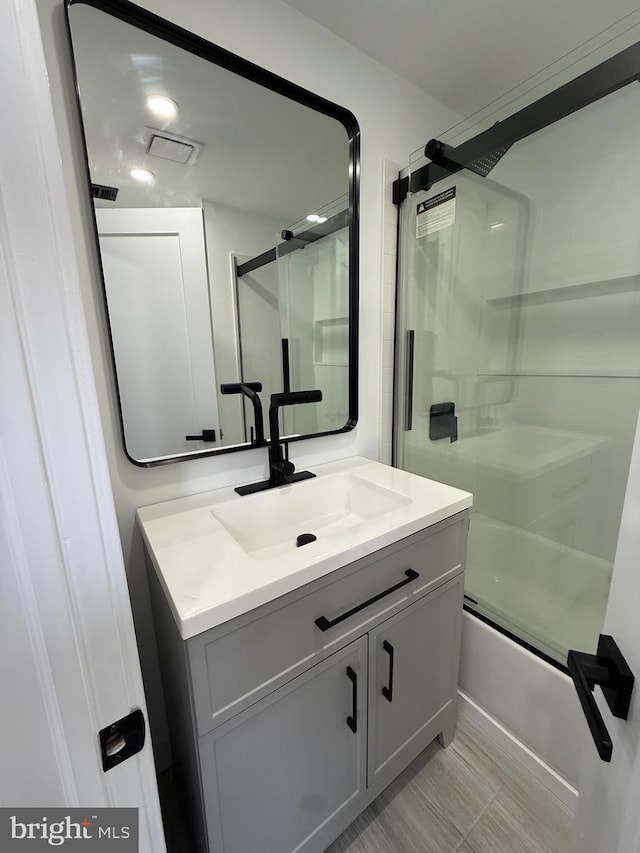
[
  {"x": 465, "y": 53},
  {"x": 257, "y": 144}
]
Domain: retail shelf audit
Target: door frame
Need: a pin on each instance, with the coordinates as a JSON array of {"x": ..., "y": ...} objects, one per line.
[{"x": 66, "y": 592}]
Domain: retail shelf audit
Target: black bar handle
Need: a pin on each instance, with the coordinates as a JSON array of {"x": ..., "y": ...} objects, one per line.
[
  {"x": 408, "y": 413},
  {"x": 387, "y": 692},
  {"x": 324, "y": 624},
  {"x": 205, "y": 435},
  {"x": 609, "y": 669},
  {"x": 577, "y": 670},
  {"x": 352, "y": 721}
]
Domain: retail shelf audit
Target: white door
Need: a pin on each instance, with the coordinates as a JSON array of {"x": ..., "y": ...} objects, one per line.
[
  {"x": 608, "y": 815},
  {"x": 68, "y": 657},
  {"x": 155, "y": 272}
]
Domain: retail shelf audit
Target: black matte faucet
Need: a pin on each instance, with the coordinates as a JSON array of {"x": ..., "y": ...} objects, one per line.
[
  {"x": 249, "y": 389},
  {"x": 281, "y": 470}
]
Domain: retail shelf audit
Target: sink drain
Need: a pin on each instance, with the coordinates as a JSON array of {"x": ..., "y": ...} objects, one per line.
[{"x": 305, "y": 539}]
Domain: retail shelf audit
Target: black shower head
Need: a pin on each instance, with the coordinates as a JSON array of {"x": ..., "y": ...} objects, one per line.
[{"x": 446, "y": 156}]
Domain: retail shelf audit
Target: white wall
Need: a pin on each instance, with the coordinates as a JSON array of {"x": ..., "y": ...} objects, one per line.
[{"x": 395, "y": 118}]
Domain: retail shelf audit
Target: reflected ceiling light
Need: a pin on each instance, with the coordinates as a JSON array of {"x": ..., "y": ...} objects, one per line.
[
  {"x": 313, "y": 217},
  {"x": 142, "y": 175},
  {"x": 321, "y": 219},
  {"x": 162, "y": 106},
  {"x": 496, "y": 225}
]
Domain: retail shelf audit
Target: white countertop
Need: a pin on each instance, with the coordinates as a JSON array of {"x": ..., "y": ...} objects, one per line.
[{"x": 209, "y": 578}]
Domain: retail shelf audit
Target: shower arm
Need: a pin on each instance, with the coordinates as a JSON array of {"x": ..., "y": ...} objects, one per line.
[{"x": 604, "y": 79}]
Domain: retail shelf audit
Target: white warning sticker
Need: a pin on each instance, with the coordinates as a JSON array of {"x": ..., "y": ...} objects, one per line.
[{"x": 436, "y": 213}]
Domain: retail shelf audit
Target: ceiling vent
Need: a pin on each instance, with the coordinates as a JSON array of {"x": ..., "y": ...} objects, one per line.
[
  {"x": 105, "y": 193},
  {"x": 170, "y": 146}
]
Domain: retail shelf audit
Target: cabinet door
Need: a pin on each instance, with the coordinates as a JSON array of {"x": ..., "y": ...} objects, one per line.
[
  {"x": 275, "y": 774},
  {"x": 413, "y": 665}
]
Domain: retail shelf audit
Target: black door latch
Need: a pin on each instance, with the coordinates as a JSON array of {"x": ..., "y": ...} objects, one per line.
[{"x": 122, "y": 739}]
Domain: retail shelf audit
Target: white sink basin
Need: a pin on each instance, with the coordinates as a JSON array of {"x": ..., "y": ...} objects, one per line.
[
  {"x": 218, "y": 555},
  {"x": 270, "y": 522}
]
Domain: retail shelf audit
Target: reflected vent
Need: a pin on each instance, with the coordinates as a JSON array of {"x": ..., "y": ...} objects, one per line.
[
  {"x": 105, "y": 193},
  {"x": 170, "y": 146}
]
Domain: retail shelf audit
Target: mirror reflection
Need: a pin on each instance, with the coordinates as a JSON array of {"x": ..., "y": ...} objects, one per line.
[{"x": 226, "y": 227}]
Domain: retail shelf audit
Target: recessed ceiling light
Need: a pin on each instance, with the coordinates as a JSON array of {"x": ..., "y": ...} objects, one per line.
[
  {"x": 313, "y": 217},
  {"x": 142, "y": 175},
  {"x": 162, "y": 106}
]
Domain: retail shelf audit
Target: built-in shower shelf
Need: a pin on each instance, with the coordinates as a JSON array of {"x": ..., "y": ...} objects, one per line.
[{"x": 585, "y": 290}]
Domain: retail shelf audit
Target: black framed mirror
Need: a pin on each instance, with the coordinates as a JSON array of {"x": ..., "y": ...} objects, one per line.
[{"x": 226, "y": 214}]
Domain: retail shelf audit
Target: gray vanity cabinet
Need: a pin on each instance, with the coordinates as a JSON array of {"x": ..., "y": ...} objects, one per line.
[
  {"x": 262, "y": 708},
  {"x": 411, "y": 679},
  {"x": 277, "y": 772}
]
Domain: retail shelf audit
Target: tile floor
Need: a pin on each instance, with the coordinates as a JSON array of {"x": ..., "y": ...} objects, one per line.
[{"x": 469, "y": 798}]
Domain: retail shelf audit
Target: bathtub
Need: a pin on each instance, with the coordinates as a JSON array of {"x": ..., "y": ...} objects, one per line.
[{"x": 554, "y": 597}]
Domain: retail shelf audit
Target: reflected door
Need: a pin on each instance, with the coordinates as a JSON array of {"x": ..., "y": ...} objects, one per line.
[{"x": 156, "y": 283}]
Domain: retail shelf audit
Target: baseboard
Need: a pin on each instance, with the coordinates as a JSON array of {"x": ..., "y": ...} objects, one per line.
[{"x": 518, "y": 750}]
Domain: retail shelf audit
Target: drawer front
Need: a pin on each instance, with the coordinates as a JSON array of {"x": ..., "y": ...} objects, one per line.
[{"x": 236, "y": 664}]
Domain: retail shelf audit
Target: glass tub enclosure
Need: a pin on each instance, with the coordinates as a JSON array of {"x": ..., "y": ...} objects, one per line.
[{"x": 518, "y": 350}]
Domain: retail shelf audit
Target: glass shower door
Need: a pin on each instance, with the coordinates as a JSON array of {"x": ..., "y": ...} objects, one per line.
[{"x": 518, "y": 362}]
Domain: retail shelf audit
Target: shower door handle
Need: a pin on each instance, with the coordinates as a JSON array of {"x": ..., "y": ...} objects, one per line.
[
  {"x": 609, "y": 669},
  {"x": 408, "y": 412}
]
